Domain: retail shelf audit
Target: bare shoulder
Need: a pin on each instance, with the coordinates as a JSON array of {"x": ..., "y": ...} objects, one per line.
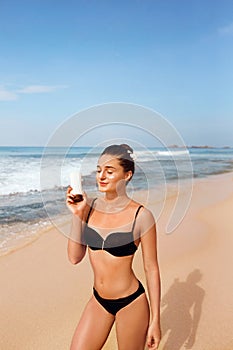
[
  {"x": 144, "y": 212},
  {"x": 145, "y": 217}
]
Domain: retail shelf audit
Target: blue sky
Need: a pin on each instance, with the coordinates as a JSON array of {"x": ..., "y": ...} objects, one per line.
[{"x": 59, "y": 57}]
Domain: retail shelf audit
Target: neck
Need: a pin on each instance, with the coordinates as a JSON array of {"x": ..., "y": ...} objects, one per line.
[
  {"x": 113, "y": 196},
  {"x": 115, "y": 202}
]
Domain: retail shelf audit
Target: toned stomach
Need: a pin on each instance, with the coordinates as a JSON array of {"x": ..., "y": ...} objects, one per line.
[{"x": 113, "y": 276}]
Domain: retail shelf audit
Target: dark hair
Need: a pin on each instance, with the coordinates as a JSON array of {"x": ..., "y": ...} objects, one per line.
[{"x": 123, "y": 153}]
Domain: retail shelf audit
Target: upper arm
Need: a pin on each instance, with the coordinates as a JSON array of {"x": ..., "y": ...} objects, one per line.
[{"x": 148, "y": 239}]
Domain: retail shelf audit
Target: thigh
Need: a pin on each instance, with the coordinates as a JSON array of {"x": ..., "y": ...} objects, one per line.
[
  {"x": 132, "y": 323},
  {"x": 93, "y": 328}
]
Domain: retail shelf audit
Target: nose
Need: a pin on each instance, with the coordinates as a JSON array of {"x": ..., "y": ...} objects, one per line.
[{"x": 102, "y": 175}]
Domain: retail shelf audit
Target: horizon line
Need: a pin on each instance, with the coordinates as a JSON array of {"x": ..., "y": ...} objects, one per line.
[{"x": 170, "y": 146}]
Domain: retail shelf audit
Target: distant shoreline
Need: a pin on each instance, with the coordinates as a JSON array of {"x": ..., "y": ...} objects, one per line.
[
  {"x": 200, "y": 147},
  {"x": 170, "y": 146}
]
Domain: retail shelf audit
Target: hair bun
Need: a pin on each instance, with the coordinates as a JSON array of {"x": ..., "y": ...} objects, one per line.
[
  {"x": 124, "y": 153},
  {"x": 127, "y": 148}
]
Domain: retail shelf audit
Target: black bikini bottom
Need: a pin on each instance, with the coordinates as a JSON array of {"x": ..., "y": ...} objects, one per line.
[{"x": 115, "y": 305}]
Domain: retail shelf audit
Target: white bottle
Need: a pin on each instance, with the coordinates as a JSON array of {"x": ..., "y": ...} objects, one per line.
[{"x": 76, "y": 184}]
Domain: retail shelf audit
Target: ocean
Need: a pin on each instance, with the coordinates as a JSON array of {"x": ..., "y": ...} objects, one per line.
[{"x": 33, "y": 181}]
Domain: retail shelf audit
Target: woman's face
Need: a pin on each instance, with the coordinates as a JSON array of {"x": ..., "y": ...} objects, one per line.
[{"x": 110, "y": 175}]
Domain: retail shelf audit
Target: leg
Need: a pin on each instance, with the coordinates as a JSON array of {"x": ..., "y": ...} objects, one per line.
[
  {"x": 93, "y": 328},
  {"x": 132, "y": 323}
]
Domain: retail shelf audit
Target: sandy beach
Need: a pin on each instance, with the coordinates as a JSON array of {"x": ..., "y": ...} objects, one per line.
[{"x": 43, "y": 295}]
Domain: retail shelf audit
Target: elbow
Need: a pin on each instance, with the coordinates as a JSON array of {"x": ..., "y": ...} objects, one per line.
[
  {"x": 75, "y": 260},
  {"x": 75, "y": 252}
]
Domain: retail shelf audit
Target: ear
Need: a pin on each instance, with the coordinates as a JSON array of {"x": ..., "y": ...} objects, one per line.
[{"x": 128, "y": 175}]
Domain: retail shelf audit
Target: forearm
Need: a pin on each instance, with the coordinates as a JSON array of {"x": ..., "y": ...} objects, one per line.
[
  {"x": 76, "y": 249},
  {"x": 153, "y": 286}
]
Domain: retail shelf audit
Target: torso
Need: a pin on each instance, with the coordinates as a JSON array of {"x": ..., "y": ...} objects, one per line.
[{"x": 113, "y": 274}]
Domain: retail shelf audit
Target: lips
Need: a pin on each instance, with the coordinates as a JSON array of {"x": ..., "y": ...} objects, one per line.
[{"x": 102, "y": 183}]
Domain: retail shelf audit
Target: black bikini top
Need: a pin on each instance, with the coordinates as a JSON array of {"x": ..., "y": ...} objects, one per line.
[{"x": 115, "y": 243}]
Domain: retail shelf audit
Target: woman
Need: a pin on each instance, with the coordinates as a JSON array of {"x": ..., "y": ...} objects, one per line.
[{"x": 112, "y": 227}]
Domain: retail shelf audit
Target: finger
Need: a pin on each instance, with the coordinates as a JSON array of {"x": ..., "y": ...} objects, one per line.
[
  {"x": 155, "y": 345},
  {"x": 70, "y": 199},
  {"x": 149, "y": 342},
  {"x": 69, "y": 189},
  {"x": 152, "y": 343}
]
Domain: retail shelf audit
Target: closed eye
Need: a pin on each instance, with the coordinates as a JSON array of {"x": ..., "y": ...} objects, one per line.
[{"x": 109, "y": 171}]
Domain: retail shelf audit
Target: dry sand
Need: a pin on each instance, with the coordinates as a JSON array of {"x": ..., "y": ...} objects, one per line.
[{"x": 43, "y": 295}]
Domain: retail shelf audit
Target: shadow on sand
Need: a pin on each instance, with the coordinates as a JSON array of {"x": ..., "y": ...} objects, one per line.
[{"x": 183, "y": 304}]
